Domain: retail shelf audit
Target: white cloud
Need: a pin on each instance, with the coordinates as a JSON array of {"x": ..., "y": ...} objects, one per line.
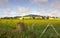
[
  {"x": 56, "y": 4},
  {"x": 37, "y": 1},
  {"x": 8, "y": 11},
  {"x": 23, "y": 10},
  {"x": 53, "y": 12},
  {"x": 2, "y": 15},
  {"x": 3, "y": 3},
  {"x": 41, "y": 5}
]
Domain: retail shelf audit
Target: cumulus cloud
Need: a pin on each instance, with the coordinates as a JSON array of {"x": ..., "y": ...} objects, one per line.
[
  {"x": 3, "y": 3},
  {"x": 49, "y": 12},
  {"x": 52, "y": 3},
  {"x": 23, "y": 10},
  {"x": 2, "y": 14},
  {"x": 56, "y": 4},
  {"x": 53, "y": 12},
  {"x": 41, "y": 5},
  {"x": 8, "y": 10},
  {"x": 39, "y": 1}
]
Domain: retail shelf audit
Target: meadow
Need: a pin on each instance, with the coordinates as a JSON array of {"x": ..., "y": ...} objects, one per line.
[{"x": 33, "y": 28}]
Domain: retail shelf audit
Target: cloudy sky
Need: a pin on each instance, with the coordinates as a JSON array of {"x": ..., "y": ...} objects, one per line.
[{"x": 23, "y": 7}]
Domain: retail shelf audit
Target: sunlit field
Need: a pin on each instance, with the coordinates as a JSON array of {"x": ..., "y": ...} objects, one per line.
[{"x": 33, "y": 28}]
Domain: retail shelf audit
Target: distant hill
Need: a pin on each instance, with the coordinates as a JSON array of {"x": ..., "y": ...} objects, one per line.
[{"x": 31, "y": 15}]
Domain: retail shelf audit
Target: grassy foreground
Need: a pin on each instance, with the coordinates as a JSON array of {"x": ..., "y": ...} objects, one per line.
[{"x": 34, "y": 28}]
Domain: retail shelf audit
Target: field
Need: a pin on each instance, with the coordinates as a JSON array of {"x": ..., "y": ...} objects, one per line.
[{"x": 33, "y": 28}]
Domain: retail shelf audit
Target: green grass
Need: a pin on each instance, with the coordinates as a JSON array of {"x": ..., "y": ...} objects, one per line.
[{"x": 33, "y": 28}]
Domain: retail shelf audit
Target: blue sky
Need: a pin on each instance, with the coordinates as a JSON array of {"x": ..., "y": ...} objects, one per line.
[{"x": 12, "y": 8}]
